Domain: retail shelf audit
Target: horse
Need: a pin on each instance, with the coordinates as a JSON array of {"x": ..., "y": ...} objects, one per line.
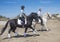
[
  {"x": 13, "y": 25},
  {"x": 43, "y": 21}
]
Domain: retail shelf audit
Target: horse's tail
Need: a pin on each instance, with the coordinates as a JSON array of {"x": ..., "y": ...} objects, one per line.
[{"x": 4, "y": 28}]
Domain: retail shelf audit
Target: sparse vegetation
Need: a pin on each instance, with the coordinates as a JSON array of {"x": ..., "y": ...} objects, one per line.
[
  {"x": 3, "y": 18},
  {"x": 17, "y": 17},
  {"x": 55, "y": 16}
]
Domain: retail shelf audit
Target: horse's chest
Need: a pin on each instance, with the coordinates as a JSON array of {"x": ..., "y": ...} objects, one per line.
[{"x": 44, "y": 19}]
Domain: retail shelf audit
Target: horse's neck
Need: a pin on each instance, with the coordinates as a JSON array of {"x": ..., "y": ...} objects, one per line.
[
  {"x": 45, "y": 16},
  {"x": 29, "y": 19}
]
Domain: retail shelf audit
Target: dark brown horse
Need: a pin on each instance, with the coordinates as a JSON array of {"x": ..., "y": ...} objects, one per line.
[{"x": 13, "y": 24}]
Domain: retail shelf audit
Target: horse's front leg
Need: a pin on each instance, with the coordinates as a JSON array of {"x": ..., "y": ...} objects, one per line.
[
  {"x": 25, "y": 32},
  {"x": 44, "y": 27},
  {"x": 34, "y": 30},
  {"x": 44, "y": 24},
  {"x": 33, "y": 26}
]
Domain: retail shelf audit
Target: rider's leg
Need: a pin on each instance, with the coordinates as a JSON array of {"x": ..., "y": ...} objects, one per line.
[{"x": 41, "y": 20}]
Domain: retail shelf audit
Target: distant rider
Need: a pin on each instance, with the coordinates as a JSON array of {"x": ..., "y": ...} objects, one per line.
[{"x": 40, "y": 16}]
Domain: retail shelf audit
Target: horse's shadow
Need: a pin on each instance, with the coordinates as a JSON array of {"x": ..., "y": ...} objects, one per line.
[
  {"x": 28, "y": 35},
  {"x": 44, "y": 30},
  {"x": 41, "y": 30},
  {"x": 19, "y": 36}
]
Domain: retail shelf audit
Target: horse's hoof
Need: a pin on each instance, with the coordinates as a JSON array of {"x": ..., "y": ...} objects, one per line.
[
  {"x": 25, "y": 34},
  {"x": 9, "y": 36},
  {"x": 47, "y": 29},
  {"x": 16, "y": 34},
  {"x": 34, "y": 32}
]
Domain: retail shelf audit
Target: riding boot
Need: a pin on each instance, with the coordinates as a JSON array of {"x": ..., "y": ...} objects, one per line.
[{"x": 41, "y": 20}]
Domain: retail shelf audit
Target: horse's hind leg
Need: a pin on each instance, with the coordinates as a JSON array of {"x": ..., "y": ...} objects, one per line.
[
  {"x": 13, "y": 30},
  {"x": 9, "y": 36}
]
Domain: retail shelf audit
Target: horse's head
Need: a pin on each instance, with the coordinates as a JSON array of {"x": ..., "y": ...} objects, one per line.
[{"x": 47, "y": 15}]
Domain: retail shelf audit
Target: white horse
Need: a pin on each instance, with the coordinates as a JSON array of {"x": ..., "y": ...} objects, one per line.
[{"x": 45, "y": 18}]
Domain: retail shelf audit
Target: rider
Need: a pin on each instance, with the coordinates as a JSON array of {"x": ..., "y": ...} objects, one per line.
[
  {"x": 39, "y": 12},
  {"x": 40, "y": 16},
  {"x": 22, "y": 14}
]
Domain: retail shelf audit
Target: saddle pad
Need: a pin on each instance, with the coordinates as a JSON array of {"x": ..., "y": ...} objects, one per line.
[{"x": 19, "y": 22}]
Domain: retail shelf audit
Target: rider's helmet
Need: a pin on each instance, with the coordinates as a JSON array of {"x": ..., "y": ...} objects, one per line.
[{"x": 22, "y": 7}]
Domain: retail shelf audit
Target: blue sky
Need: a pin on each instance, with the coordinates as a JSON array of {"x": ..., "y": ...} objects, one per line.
[{"x": 11, "y": 8}]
